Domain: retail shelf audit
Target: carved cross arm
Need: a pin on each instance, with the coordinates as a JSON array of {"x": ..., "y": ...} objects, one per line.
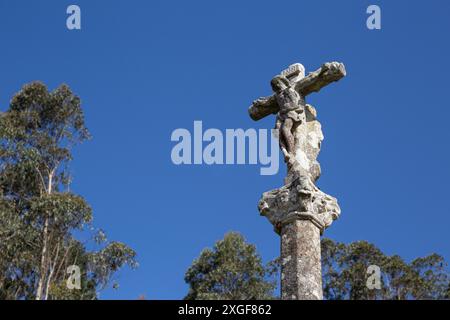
[
  {"x": 326, "y": 74},
  {"x": 263, "y": 107}
]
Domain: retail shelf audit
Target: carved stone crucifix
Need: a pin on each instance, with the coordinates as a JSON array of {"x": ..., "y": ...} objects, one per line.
[{"x": 299, "y": 211}]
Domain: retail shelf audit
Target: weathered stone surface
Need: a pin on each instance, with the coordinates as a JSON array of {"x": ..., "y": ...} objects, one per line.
[
  {"x": 299, "y": 211},
  {"x": 301, "y": 277},
  {"x": 296, "y": 201},
  {"x": 327, "y": 73},
  {"x": 299, "y": 194},
  {"x": 295, "y": 72}
]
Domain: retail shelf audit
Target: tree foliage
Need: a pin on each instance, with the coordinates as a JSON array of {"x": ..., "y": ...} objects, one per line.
[
  {"x": 38, "y": 213},
  {"x": 345, "y": 274},
  {"x": 232, "y": 270}
]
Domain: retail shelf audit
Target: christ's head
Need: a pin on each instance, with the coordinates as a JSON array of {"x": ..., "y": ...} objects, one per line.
[{"x": 279, "y": 83}]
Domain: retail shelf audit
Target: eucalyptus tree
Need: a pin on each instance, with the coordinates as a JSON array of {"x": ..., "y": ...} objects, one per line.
[
  {"x": 38, "y": 212},
  {"x": 346, "y": 273},
  {"x": 232, "y": 270}
]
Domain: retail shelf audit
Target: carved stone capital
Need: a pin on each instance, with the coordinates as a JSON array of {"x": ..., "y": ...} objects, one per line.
[{"x": 299, "y": 200}]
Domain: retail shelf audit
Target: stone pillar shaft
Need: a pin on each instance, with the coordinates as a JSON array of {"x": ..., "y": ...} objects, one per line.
[{"x": 301, "y": 276}]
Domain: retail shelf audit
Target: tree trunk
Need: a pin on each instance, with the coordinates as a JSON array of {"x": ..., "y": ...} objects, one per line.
[
  {"x": 43, "y": 269},
  {"x": 39, "y": 293}
]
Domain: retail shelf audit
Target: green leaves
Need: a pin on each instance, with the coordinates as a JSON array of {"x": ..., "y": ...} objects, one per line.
[
  {"x": 57, "y": 114},
  {"x": 109, "y": 260},
  {"x": 41, "y": 127},
  {"x": 38, "y": 218},
  {"x": 64, "y": 210},
  {"x": 345, "y": 275},
  {"x": 232, "y": 270}
]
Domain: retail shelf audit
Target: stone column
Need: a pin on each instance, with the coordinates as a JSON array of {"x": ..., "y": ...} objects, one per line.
[{"x": 301, "y": 276}]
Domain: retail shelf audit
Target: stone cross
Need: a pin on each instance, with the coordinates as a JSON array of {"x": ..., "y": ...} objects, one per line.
[{"x": 299, "y": 211}]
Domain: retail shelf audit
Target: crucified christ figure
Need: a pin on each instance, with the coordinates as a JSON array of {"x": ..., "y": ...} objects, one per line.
[
  {"x": 288, "y": 101},
  {"x": 290, "y": 115}
]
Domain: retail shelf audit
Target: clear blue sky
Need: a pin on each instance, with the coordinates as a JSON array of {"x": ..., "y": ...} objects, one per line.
[{"x": 145, "y": 68}]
